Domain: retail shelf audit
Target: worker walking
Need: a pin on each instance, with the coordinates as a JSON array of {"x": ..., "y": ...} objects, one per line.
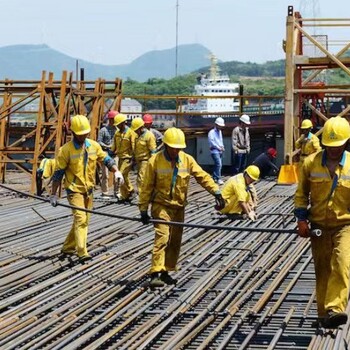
[
  {"x": 148, "y": 119},
  {"x": 216, "y": 146},
  {"x": 165, "y": 186},
  {"x": 240, "y": 195},
  {"x": 76, "y": 161},
  {"x": 123, "y": 146},
  {"x": 44, "y": 175},
  {"x": 322, "y": 202},
  {"x": 241, "y": 144},
  {"x": 264, "y": 162},
  {"x": 307, "y": 143},
  {"x": 145, "y": 146},
  {"x": 105, "y": 139}
]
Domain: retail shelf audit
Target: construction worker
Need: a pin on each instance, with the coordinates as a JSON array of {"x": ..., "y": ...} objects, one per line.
[
  {"x": 44, "y": 175},
  {"x": 264, "y": 162},
  {"x": 165, "y": 186},
  {"x": 241, "y": 144},
  {"x": 145, "y": 146},
  {"x": 307, "y": 143},
  {"x": 123, "y": 146},
  {"x": 105, "y": 139},
  {"x": 322, "y": 202},
  {"x": 216, "y": 146},
  {"x": 76, "y": 161},
  {"x": 240, "y": 195},
  {"x": 148, "y": 119}
]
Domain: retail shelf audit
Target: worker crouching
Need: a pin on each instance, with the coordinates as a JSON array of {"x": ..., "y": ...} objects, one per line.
[
  {"x": 165, "y": 186},
  {"x": 239, "y": 193},
  {"x": 76, "y": 161},
  {"x": 322, "y": 200}
]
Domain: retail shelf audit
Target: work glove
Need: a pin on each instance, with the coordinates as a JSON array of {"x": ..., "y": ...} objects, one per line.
[
  {"x": 145, "y": 218},
  {"x": 53, "y": 200},
  {"x": 252, "y": 215},
  {"x": 119, "y": 177},
  {"x": 303, "y": 229},
  {"x": 219, "y": 202}
]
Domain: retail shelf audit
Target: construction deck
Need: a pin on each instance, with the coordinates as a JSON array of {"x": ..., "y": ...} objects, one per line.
[{"x": 235, "y": 290}]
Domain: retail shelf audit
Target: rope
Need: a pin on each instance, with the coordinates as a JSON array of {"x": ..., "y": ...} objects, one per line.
[{"x": 157, "y": 221}]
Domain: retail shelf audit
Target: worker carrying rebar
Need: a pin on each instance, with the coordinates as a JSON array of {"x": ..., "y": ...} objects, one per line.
[
  {"x": 105, "y": 139},
  {"x": 322, "y": 201},
  {"x": 44, "y": 175},
  {"x": 165, "y": 187},
  {"x": 76, "y": 161},
  {"x": 240, "y": 195},
  {"x": 307, "y": 143},
  {"x": 145, "y": 147},
  {"x": 123, "y": 146}
]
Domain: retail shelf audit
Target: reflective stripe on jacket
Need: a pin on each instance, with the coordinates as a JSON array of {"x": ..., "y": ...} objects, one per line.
[
  {"x": 329, "y": 198},
  {"x": 168, "y": 185}
]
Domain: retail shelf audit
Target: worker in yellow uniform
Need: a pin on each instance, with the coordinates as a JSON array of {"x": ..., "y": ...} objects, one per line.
[
  {"x": 307, "y": 143},
  {"x": 44, "y": 175},
  {"x": 145, "y": 146},
  {"x": 239, "y": 193},
  {"x": 322, "y": 202},
  {"x": 76, "y": 161},
  {"x": 123, "y": 146},
  {"x": 165, "y": 186}
]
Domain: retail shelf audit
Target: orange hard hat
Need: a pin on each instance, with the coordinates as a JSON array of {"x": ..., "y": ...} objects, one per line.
[
  {"x": 111, "y": 114},
  {"x": 147, "y": 118}
]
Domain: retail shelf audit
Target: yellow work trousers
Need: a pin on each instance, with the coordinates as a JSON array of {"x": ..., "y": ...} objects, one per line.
[
  {"x": 331, "y": 254},
  {"x": 141, "y": 170},
  {"x": 77, "y": 236},
  {"x": 167, "y": 240},
  {"x": 124, "y": 166}
]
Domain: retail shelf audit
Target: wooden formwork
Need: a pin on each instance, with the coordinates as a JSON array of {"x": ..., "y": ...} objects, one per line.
[
  {"x": 304, "y": 68},
  {"x": 56, "y": 102}
]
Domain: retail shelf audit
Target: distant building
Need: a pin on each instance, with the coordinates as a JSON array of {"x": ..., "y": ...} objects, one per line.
[{"x": 132, "y": 108}]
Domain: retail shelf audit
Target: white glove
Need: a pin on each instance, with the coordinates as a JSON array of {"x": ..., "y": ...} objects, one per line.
[
  {"x": 252, "y": 215},
  {"x": 119, "y": 177}
]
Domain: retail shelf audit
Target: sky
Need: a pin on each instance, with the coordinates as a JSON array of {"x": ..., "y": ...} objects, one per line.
[{"x": 119, "y": 31}]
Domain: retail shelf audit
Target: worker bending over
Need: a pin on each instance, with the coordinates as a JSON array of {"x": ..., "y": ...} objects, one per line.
[
  {"x": 264, "y": 162},
  {"x": 322, "y": 201},
  {"x": 307, "y": 143},
  {"x": 123, "y": 146},
  {"x": 76, "y": 161},
  {"x": 44, "y": 175},
  {"x": 145, "y": 146},
  {"x": 165, "y": 186},
  {"x": 239, "y": 193}
]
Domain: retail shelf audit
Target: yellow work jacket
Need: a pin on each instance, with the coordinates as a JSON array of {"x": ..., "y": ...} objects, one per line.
[
  {"x": 168, "y": 185},
  {"x": 47, "y": 166},
  {"x": 329, "y": 198},
  {"x": 79, "y": 165},
  {"x": 124, "y": 143},
  {"x": 145, "y": 145},
  {"x": 234, "y": 191},
  {"x": 308, "y": 145}
]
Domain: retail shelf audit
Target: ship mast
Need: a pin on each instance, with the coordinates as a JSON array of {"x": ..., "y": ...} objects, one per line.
[{"x": 214, "y": 68}]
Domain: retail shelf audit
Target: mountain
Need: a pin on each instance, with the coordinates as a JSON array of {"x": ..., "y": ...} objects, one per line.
[{"x": 26, "y": 62}]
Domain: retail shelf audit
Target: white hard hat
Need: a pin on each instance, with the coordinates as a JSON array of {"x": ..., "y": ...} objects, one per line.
[
  {"x": 245, "y": 119},
  {"x": 220, "y": 121}
]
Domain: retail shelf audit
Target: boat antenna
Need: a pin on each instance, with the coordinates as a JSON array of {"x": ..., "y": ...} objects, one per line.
[{"x": 177, "y": 35}]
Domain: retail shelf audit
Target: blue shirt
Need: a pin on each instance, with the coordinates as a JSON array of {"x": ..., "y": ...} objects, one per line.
[{"x": 216, "y": 143}]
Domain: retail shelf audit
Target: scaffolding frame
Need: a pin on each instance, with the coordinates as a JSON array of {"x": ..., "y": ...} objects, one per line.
[
  {"x": 57, "y": 101},
  {"x": 300, "y": 85}
]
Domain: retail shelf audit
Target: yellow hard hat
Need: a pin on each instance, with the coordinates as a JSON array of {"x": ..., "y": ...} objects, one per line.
[
  {"x": 306, "y": 124},
  {"x": 336, "y": 132},
  {"x": 137, "y": 123},
  {"x": 174, "y": 138},
  {"x": 80, "y": 125},
  {"x": 253, "y": 171},
  {"x": 119, "y": 118}
]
